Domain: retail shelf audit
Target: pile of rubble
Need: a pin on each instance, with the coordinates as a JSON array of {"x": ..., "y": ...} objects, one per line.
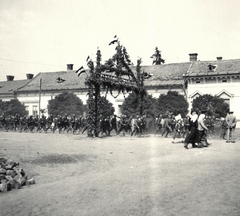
[{"x": 12, "y": 176}]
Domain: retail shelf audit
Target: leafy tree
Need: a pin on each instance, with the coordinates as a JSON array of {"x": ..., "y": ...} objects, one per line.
[
  {"x": 157, "y": 57},
  {"x": 213, "y": 104},
  {"x": 130, "y": 105},
  {"x": 172, "y": 102},
  {"x": 66, "y": 104},
  {"x": 106, "y": 108},
  {"x": 12, "y": 107}
]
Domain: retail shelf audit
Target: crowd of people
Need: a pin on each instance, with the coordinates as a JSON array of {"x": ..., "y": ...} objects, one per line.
[
  {"x": 198, "y": 128},
  {"x": 192, "y": 129},
  {"x": 73, "y": 124}
]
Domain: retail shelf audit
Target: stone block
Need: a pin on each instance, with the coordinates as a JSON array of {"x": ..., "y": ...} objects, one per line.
[
  {"x": 15, "y": 184},
  {"x": 2, "y": 171},
  {"x": 9, "y": 177},
  {"x": 2, "y": 176},
  {"x": 30, "y": 181},
  {"x": 3, "y": 187}
]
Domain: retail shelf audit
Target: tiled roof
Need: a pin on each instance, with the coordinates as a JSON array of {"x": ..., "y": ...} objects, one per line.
[
  {"x": 168, "y": 74},
  {"x": 222, "y": 67},
  {"x": 50, "y": 81},
  {"x": 167, "y": 71},
  {"x": 8, "y": 87}
]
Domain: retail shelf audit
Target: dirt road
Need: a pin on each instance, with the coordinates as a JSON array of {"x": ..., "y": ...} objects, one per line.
[{"x": 121, "y": 176}]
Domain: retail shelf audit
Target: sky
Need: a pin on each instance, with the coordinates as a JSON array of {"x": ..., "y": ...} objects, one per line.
[{"x": 46, "y": 35}]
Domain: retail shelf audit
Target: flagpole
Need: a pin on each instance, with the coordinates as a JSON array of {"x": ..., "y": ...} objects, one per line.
[{"x": 39, "y": 101}]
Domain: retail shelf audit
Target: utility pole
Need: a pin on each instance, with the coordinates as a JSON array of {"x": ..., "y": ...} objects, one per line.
[{"x": 39, "y": 101}]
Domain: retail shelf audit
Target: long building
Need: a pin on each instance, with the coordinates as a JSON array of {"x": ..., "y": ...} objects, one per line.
[{"x": 218, "y": 77}]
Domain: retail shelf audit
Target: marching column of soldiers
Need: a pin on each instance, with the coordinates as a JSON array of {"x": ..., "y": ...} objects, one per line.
[{"x": 164, "y": 125}]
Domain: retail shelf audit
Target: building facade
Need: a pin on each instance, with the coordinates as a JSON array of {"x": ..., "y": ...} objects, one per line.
[{"x": 219, "y": 77}]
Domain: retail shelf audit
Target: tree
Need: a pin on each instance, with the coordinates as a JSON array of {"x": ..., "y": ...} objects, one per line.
[
  {"x": 157, "y": 57},
  {"x": 106, "y": 108},
  {"x": 172, "y": 102},
  {"x": 66, "y": 104},
  {"x": 213, "y": 104},
  {"x": 12, "y": 107},
  {"x": 131, "y": 104}
]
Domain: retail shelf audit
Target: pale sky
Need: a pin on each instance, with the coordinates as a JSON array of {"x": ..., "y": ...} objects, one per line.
[{"x": 46, "y": 35}]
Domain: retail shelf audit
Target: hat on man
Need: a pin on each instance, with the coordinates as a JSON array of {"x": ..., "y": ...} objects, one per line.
[{"x": 203, "y": 111}]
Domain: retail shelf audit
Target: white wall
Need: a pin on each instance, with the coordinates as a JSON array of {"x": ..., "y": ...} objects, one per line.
[{"x": 231, "y": 89}]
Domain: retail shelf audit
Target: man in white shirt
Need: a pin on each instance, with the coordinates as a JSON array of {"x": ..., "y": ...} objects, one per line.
[{"x": 231, "y": 125}]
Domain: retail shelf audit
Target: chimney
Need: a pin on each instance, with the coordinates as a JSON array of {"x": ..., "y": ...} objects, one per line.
[
  {"x": 219, "y": 58},
  {"x": 10, "y": 78},
  {"x": 193, "y": 56},
  {"x": 69, "y": 67},
  {"x": 29, "y": 76}
]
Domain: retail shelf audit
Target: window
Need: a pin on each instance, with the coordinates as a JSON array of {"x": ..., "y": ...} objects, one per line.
[
  {"x": 35, "y": 110},
  {"x": 27, "y": 109},
  {"x": 227, "y": 101}
]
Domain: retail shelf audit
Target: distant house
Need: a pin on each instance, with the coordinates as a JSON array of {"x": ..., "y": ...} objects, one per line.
[
  {"x": 9, "y": 88},
  {"x": 218, "y": 77}
]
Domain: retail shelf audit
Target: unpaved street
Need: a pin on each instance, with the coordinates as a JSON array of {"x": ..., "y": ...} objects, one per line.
[{"x": 121, "y": 176}]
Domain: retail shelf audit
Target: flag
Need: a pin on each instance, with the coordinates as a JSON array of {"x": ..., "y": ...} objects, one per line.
[
  {"x": 115, "y": 39},
  {"x": 89, "y": 62},
  {"x": 80, "y": 71}
]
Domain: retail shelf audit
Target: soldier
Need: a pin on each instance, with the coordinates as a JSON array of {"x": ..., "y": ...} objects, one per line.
[
  {"x": 3, "y": 121},
  {"x": 16, "y": 122},
  {"x": 42, "y": 123},
  {"x": 65, "y": 122},
  {"x": 167, "y": 128},
  {"x": 186, "y": 125},
  {"x": 23, "y": 124},
  {"x": 9, "y": 124},
  {"x": 30, "y": 123},
  {"x": 49, "y": 123},
  {"x": 223, "y": 124},
  {"x": 178, "y": 128},
  {"x": 172, "y": 122},
  {"x": 144, "y": 124},
  {"x": 84, "y": 125},
  {"x": 137, "y": 126},
  {"x": 158, "y": 124},
  {"x": 123, "y": 124},
  {"x": 114, "y": 123},
  {"x": 72, "y": 124},
  {"x": 37, "y": 123},
  {"x": 78, "y": 125},
  {"x": 212, "y": 124},
  {"x": 105, "y": 126}
]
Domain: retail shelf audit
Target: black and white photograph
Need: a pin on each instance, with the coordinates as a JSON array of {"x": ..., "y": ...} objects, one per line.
[{"x": 119, "y": 108}]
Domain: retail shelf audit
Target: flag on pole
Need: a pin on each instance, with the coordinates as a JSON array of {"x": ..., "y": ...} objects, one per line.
[
  {"x": 115, "y": 39},
  {"x": 80, "y": 71}
]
